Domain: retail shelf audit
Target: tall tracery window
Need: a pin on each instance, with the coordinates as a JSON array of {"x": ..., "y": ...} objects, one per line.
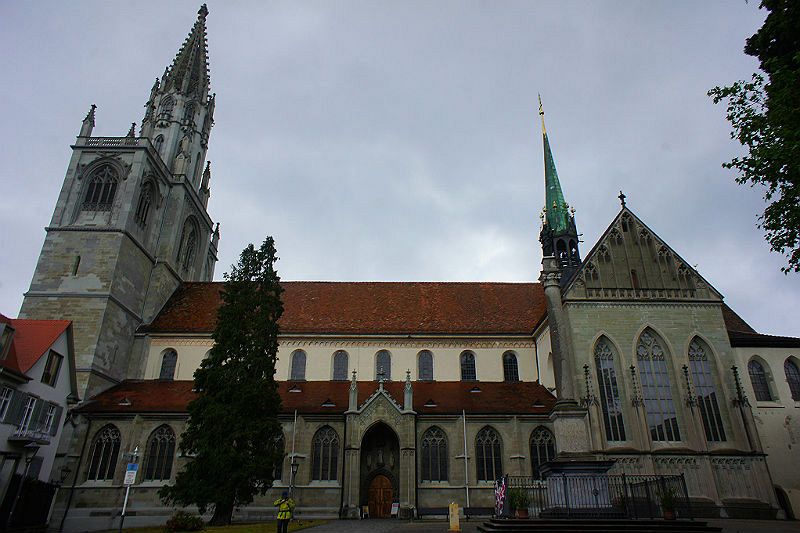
[
  {"x": 166, "y": 107},
  {"x": 325, "y": 455},
  {"x": 434, "y": 455},
  {"x": 298, "y": 367},
  {"x": 188, "y": 247},
  {"x": 340, "y": 365},
  {"x": 101, "y": 189},
  {"x": 188, "y": 113},
  {"x": 468, "y": 367},
  {"x": 510, "y": 367},
  {"x": 543, "y": 448},
  {"x": 488, "y": 455},
  {"x": 103, "y": 454},
  {"x": 168, "y": 363},
  {"x": 383, "y": 365},
  {"x": 609, "y": 390},
  {"x": 792, "y": 377},
  {"x": 662, "y": 417},
  {"x": 143, "y": 207},
  {"x": 425, "y": 366},
  {"x": 160, "y": 454},
  {"x": 760, "y": 381},
  {"x": 706, "y": 390}
]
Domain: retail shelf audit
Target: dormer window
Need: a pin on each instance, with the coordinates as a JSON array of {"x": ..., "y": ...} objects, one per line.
[
  {"x": 6, "y": 336},
  {"x": 51, "y": 368}
]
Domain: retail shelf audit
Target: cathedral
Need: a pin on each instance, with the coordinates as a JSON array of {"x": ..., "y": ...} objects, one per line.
[{"x": 397, "y": 397}]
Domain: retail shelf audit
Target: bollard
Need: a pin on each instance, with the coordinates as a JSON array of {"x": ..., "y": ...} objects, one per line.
[{"x": 454, "y": 524}]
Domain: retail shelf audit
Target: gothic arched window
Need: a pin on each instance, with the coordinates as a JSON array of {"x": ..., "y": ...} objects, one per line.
[
  {"x": 793, "y": 378},
  {"x": 101, "y": 189},
  {"x": 168, "y": 363},
  {"x": 158, "y": 144},
  {"x": 280, "y": 446},
  {"x": 468, "y": 367},
  {"x": 103, "y": 454},
  {"x": 298, "y": 366},
  {"x": 488, "y": 455},
  {"x": 510, "y": 367},
  {"x": 325, "y": 454},
  {"x": 543, "y": 448},
  {"x": 662, "y": 417},
  {"x": 425, "y": 366},
  {"x": 706, "y": 390},
  {"x": 143, "y": 207},
  {"x": 383, "y": 365},
  {"x": 609, "y": 391},
  {"x": 340, "y": 365},
  {"x": 159, "y": 454},
  {"x": 166, "y": 107},
  {"x": 760, "y": 381},
  {"x": 434, "y": 455},
  {"x": 188, "y": 113},
  {"x": 188, "y": 246}
]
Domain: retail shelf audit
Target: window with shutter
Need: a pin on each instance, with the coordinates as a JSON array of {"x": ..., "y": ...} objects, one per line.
[
  {"x": 17, "y": 408},
  {"x": 31, "y": 410}
]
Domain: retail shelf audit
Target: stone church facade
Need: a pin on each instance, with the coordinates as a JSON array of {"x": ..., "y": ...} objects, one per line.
[{"x": 395, "y": 395}]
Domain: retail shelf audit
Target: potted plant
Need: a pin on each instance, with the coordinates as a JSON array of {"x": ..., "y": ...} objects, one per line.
[
  {"x": 519, "y": 501},
  {"x": 667, "y": 497}
]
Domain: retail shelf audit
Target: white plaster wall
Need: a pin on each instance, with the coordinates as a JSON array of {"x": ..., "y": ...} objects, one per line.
[
  {"x": 361, "y": 356},
  {"x": 56, "y": 395},
  {"x": 778, "y": 422}
]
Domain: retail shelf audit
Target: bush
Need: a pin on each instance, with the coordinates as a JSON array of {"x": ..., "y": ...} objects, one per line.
[
  {"x": 518, "y": 498},
  {"x": 183, "y": 521}
]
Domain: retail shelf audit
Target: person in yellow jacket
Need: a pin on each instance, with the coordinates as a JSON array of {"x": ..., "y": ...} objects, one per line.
[{"x": 285, "y": 507}]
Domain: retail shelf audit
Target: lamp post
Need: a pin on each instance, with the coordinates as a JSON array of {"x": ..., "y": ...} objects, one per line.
[
  {"x": 30, "y": 452},
  {"x": 130, "y": 479},
  {"x": 294, "y": 466}
]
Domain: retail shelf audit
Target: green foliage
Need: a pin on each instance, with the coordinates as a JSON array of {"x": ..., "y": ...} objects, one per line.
[
  {"x": 233, "y": 431},
  {"x": 766, "y": 120},
  {"x": 667, "y": 498},
  {"x": 183, "y": 521},
  {"x": 518, "y": 498}
]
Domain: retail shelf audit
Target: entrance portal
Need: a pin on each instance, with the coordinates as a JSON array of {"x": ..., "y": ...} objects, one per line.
[
  {"x": 380, "y": 497},
  {"x": 380, "y": 470}
]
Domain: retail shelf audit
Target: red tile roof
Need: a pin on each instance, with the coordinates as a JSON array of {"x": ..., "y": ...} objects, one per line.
[
  {"x": 434, "y": 397},
  {"x": 32, "y": 339},
  {"x": 318, "y": 307},
  {"x": 741, "y": 334}
]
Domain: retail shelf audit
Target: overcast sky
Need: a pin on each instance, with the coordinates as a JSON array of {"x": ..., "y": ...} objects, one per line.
[{"x": 400, "y": 140}]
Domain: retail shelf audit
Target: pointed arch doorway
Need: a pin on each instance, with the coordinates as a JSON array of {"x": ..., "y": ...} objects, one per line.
[{"x": 380, "y": 469}]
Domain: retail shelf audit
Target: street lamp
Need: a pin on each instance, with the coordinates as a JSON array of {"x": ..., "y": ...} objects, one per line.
[
  {"x": 294, "y": 466},
  {"x": 30, "y": 452}
]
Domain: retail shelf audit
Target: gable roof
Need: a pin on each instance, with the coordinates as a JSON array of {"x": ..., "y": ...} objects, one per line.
[
  {"x": 320, "y": 307},
  {"x": 319, "y": 397},
  {"x": 32, "y": 340},
  {"x": 591, "y": 256}
]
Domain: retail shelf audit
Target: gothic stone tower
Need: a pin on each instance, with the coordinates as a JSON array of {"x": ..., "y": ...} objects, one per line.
[{"x": 131, "y": 222}]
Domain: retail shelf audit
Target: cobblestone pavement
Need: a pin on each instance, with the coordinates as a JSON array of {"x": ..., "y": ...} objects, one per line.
[{"x": 440, "y": 526}]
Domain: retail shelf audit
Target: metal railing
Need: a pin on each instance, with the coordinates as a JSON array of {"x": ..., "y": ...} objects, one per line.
[{"x": 601, "y": 496}]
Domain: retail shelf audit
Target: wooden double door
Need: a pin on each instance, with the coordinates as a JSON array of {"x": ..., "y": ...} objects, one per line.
[{"x": 380, "y": 497}]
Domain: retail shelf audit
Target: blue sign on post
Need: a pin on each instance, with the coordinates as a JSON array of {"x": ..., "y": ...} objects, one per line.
[{"x": 130, "y": 473}]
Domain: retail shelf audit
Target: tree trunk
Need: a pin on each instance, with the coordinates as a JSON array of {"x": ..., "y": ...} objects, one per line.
[{"x": 222, "y": 514}]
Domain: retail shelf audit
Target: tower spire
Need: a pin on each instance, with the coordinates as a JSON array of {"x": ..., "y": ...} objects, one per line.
[
  {"x": 188, "y": 73},
  {"x": 559, "y": 236}
]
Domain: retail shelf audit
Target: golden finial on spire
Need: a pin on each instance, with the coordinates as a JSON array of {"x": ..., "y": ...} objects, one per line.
[{"x": 541, "y": 114}]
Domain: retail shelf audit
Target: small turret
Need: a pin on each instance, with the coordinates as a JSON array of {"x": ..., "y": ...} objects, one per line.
[
  {"x": 408, "y": 396},
  {"x": 205, "y": 191},
  {"x": 88, "y": 123},
  {"x": 352, "y": 404},
  {"x": 215, "y": 238},
  {"x": 150, "y": 111}
]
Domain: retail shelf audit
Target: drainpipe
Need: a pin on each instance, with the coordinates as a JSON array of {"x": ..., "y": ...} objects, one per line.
[
  {"x": 75, "y": 478},
  {"x": 344, "y": 460},
  {"x": 466, "y": 462}
]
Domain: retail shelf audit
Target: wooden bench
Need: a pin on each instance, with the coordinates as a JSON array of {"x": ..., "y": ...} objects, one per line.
[
  {"x": 432, "y": 511},
  {"x": 470, "y": 512}
]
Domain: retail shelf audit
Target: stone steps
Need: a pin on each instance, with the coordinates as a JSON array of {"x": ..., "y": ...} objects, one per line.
[{"x": 596, "y": 526}]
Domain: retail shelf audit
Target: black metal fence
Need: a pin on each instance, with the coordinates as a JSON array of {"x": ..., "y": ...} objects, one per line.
[
  {"x": 32, "y": 505},
  {"x": 600, "y": 496}
]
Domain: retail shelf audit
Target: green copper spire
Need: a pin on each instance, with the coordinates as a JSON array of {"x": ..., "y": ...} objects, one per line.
[{"x": 556, "y": 208}]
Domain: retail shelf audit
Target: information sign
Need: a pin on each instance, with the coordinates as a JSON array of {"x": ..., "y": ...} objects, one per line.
[{"x": 130, "y": 473}]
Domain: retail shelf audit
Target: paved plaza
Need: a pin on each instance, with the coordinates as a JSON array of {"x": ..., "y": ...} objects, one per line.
[{"x": 440, "y": 526}]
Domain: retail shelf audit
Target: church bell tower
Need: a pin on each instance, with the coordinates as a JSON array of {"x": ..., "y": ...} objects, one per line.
[
  {"x": 131, "y": 221},
  {"x": 559, "y": 236}
]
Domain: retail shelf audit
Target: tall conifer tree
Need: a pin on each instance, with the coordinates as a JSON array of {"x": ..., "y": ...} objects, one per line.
[{"x": 233, "y": 431}]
